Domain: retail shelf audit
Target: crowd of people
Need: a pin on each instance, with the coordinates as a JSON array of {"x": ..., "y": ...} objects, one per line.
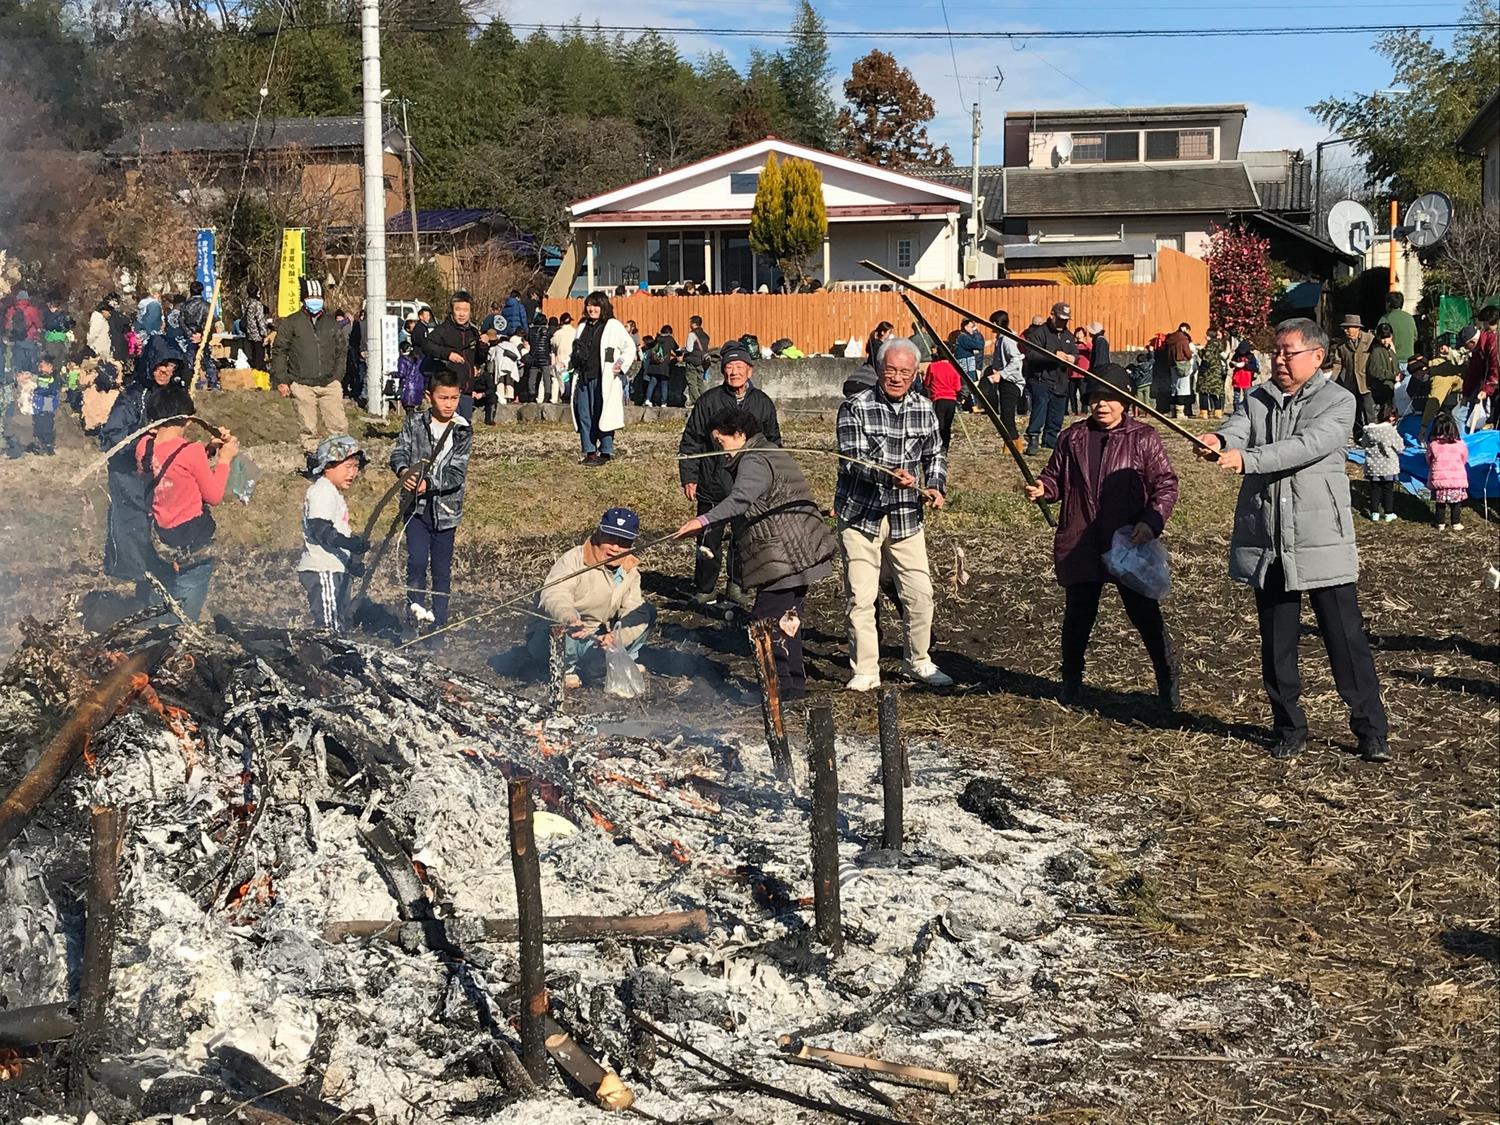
[{"x": 756, "y": 523}]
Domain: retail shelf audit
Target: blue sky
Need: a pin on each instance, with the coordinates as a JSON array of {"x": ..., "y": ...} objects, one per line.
[{"x": 1277, "y": 78}]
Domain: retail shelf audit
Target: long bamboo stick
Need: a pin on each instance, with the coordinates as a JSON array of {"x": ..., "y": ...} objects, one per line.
[
  {"x": 556, "y": 929},
  {"x": 989, "y": 408},
  {"x": 1025, "y": 343}
]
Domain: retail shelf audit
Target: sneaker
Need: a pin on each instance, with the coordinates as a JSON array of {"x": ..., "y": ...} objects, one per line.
[
  {"x": 738, "y": 596},
  {"x": 605, "y": 458},
  {"x": 1031, "y": 447},
  {"x": 590, "y": 459},
  {"x": 928, "y": 673},
  {"x": 702, "y": 599},
  {"x": 420, "y": 613},
  {"x": 1390, "y": 517},
  {"x": 1442, "y": 527},
  {"x": 1457, "y": 526},
  {"x": 1375, "y": 517},
  {"x": 1071, "y": 693},
  {"x": 571, "y": 681},
  {"x": 860, "y": 682},
  {"x": 1374, "y": 749}
]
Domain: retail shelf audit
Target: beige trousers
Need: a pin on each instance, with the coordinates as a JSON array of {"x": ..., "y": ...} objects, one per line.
[
  {"x": 320, "y": 412},
  {"x": 907, "y": 560}
]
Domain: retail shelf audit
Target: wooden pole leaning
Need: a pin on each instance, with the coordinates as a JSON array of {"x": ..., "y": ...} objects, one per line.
[
  {"x": 989, "y": 408},
  {"x": 1022, "y": 341}
]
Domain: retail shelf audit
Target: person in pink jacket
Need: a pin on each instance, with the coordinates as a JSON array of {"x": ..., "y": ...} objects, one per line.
[{"x": 1447, "y": 472}]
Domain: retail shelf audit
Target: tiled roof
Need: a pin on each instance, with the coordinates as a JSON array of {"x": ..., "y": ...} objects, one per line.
[
  {"x": 157, "y": 137},
  {"x": 1136, "y": 189}
]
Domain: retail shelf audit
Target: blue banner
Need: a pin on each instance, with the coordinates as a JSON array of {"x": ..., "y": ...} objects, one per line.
[{"x": 205, "y": 268}]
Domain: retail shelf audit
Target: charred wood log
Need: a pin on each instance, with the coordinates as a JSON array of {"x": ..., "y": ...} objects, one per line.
[
  {"x": 106, "y": 841},
  {"x": 272, "y": 1092},
  {"x": 69, "y": 743},
  {"x": 528, "y": 873},
  {"x": 602, "y": 1083},
  {"x": 40, "y": 1023},
  {"x": 743, "y": 1080},
  {"x": 559, "y": 928},
  {"x": 878, "y": 1070},
  {"x": 823, "y": 770},
  {"x": 893, "y": 772},
  {"x": 762, "y": 644}
]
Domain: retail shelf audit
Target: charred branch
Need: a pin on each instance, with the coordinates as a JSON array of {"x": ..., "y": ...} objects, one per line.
[
  {"x": 762, "y": 644},
  {"x": 557, "y": 929},
  {"x": 824, "y": 774},
  {"x": 893, "y": 772},
  {"x": 602, "y": 1083},
  {"x": 106, "y": 841},
  {"x": 528, "y": 873},
  {"x": 272, "y": 1092},
  {"x": 879, "y": 1070},
  {"x": 40, "y": 1023}
]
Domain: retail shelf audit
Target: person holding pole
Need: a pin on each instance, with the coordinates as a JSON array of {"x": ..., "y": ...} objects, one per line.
[
  {"x": 880, "y": 511},
  {"x": 1109, "y": 472},
  {"x": 1294, "y": 533}
]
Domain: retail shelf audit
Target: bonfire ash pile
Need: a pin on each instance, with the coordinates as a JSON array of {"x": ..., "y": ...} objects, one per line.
[{"x": 279, "y": 885}]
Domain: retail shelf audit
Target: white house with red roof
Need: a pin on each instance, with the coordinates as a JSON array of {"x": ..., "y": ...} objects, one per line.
[{"x": 693, "y": 224}]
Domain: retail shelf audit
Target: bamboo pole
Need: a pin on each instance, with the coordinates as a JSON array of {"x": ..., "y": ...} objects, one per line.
[
  {"x": 989, "y": 408},
  {"x": 528, "y": 873},
  {"x": 824, "y": 780},
  {"x": 557, "y": 929},
  {"x": 878, "y": 1069},
  {"x": 208, "y": 331},
  {"x": 1022, "y": 341}
]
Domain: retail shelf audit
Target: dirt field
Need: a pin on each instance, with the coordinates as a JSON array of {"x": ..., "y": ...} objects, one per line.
[{"x": 1369, "y": 892}]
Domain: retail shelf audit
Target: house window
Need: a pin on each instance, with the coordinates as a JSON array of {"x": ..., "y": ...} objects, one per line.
[
  {"x": 1097, "y": 148},
  {"x": 1180, "y": 144},
  {"x": 903, "y": 253},
  {"x": 744, "y": 183},
  {"x": 674, "y": 256}
]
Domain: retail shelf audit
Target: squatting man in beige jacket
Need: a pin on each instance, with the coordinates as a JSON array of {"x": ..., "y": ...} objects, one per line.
[{"x": 598, "y": 605}]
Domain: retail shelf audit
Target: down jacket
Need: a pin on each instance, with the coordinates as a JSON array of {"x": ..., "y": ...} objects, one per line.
[
  {"x": 1294, "y": 499},
  {"x": 1136, "y": 484}
]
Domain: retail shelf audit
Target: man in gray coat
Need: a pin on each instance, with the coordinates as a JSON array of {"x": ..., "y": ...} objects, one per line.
[{"x": 1294, "y": 531}]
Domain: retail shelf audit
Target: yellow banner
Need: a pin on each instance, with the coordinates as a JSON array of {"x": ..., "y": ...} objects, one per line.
[{"x": 293, "y": 265}]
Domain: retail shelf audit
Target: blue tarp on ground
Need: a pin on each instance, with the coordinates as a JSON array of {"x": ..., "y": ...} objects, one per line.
[{"x": 1484, "y": 460}]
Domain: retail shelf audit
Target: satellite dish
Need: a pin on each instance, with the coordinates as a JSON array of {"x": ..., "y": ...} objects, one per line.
[
  {"x": 1350, "y": 227},
  {"x": 1064, "y": 148},
  {"x": 1428, "y": 220}
]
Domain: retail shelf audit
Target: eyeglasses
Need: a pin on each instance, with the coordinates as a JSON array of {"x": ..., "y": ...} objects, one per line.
[
  {"x": 1285, "y": 353},
  {"x": 899, "y": 372}
]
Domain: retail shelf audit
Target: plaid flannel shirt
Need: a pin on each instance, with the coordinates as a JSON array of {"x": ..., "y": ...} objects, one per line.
[{"x": 901, "y": 435}]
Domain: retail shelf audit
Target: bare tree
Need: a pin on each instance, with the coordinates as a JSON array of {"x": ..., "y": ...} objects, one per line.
[{"x": 1469, "y": 257}]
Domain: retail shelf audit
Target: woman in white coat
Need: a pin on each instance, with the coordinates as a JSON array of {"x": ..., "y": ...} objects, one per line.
[{"x": 602, "y": 353}]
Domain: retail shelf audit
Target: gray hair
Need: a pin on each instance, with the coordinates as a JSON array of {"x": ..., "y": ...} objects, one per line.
[
  {"x": 1310, "y": 331},
  {"x": 897, "y": 344}
]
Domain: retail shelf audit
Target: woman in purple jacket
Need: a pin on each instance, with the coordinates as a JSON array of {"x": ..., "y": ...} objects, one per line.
[{"x": 1109, "y": 471}]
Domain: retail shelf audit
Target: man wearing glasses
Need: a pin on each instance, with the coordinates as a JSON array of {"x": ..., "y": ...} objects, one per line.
[
  {"x": 897, "y": 465},
  {"x": 1294, "y": 531}
]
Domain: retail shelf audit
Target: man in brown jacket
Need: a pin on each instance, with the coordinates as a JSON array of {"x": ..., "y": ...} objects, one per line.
[
  {"x": 1179, "y": 348},
  {"x": 1350, "y": 358}
]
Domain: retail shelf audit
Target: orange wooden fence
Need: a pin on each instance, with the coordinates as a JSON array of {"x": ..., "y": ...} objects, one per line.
[{"x": 1131, "y": 314}]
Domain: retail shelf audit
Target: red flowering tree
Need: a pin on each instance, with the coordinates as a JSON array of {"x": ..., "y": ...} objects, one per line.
[{"x": 1239, "y": 281}]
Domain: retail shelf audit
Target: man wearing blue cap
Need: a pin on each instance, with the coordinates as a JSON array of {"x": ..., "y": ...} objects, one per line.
[{"x": 601, "y": 606}]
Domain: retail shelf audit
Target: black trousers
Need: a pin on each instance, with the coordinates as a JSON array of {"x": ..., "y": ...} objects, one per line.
[
  {"x": 255, "y": 352},
  {"x": 1382, "y": 496},
  {"x": 1343, "y": 630},
  {"x": 945, "y": 409},
  {"x": 531, "y": 382},
  {"x": 425, "y": 547},
  {"x": 1082, "y": 608},
  {"x": 1010, "y": 401},
  {"x": 770, "y": 605},
  {"x": 706, "y": 567}
]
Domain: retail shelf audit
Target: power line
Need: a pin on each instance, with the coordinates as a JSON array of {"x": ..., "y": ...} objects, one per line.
[{"x": 910, "y": 34}]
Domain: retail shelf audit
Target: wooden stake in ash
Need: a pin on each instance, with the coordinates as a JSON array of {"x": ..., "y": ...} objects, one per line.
[
  {"x": 100, "y": 927},
  {"x": 824, "y": 780},
  {"x": 762, "y": 645},
  {"x": 556, "y": 664},
  {"x": 893, "y": 771},
  {"x": 528, "y": 872}
]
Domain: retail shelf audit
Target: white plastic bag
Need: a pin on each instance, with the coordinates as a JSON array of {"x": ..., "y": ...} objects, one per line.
[
  {"x": 621, "y": 676},
  {"x": 1143, "y": 567}
]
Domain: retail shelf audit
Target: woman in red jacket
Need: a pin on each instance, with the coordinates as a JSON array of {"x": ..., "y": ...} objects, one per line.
[
  {"x": 1109, "y": 472},
  {"x": 182, "y": 487},
  {"x": 942, "y": 383},
  {"x": 1085, "y": 360}
]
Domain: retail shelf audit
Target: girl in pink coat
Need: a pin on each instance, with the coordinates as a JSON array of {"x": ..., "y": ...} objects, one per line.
[{"x": 1447, "y": 471}]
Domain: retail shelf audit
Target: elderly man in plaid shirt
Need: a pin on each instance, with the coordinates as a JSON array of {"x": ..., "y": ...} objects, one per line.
[{"x": 880, "y": 511}]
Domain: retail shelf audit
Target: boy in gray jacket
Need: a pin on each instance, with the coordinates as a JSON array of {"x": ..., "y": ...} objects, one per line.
[{"x": 431, "y": 459}]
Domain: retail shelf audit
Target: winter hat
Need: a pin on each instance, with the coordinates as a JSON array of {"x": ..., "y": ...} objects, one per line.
[
  {"x": 735, "y": 350},
  {"x": 332, "y": 450},
  {"x": 1466, "y": 335},
  {"x": 1109, "y": 381},
  {"x": 620, "y": 523},
  {"x": 22, "y": 295},
  {"x": 310, "y": 287}
]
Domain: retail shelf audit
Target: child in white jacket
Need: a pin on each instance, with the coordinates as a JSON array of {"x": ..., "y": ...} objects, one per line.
[{"x": 1382, "y": 446}]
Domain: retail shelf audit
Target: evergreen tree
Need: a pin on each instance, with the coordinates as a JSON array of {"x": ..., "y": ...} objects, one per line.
[
  {"x": 804, "y": 76},
  {"x": 789, "y": 220}
]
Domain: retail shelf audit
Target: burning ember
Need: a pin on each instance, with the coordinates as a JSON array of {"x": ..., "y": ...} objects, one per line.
[{"x": 319, "y": 912}]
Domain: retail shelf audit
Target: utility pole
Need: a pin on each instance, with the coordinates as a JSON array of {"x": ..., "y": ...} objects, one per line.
[
  {"x": 373, "y": 336},
  {"x": 976, "y": 215},
  {"x": 411, "y": 185}
]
